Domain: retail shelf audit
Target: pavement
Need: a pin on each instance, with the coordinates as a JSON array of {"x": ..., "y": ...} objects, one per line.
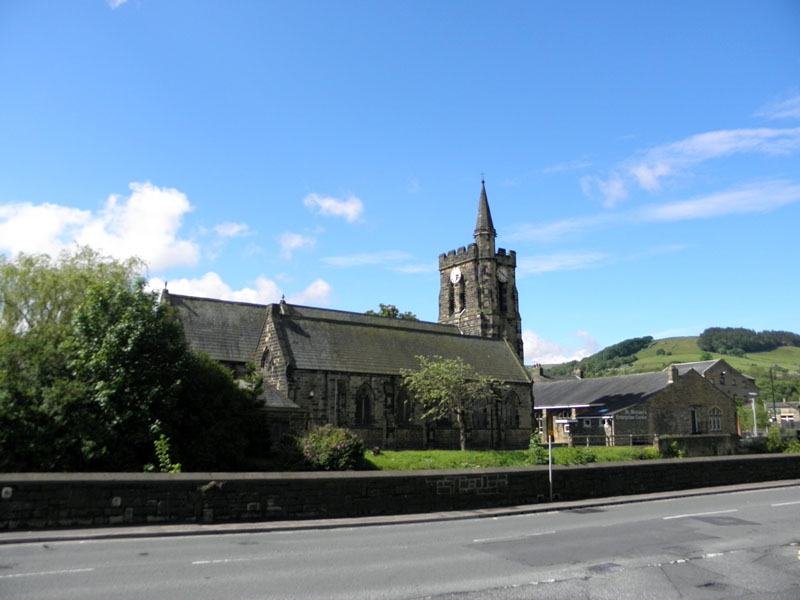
[{"x": 21, "y": 536}]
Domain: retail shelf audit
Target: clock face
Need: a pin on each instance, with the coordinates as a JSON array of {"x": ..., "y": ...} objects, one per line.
[
  {"x": 502, "y": 274},
  {"x": 455, "y": 276}
]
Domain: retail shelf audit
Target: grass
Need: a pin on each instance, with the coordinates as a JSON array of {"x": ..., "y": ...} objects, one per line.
[
  {"x": 685, "y": 349},
  {"x": 415, "y": 460}
]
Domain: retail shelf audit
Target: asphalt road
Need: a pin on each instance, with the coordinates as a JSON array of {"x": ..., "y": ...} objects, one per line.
[{"x": 733, "y": 545}]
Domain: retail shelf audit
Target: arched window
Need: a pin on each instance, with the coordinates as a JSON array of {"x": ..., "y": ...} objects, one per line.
[
  {"x": 511, "y": 410},
  {"x": 715, "y": 419},
  {"x": 364, "y": 401},
  {"x": 403, "y": 409}
]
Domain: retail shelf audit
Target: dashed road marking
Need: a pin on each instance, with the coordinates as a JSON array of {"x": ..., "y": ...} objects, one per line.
[
  {"x": 45, "y": 573},
  {"x": 704, "y": 514}
]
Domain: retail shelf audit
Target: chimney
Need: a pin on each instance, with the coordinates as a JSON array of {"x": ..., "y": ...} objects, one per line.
[{"x": 673, "y": 373}]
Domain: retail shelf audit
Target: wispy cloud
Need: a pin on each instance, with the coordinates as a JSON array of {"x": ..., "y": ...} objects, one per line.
[
  {"x": 570, "y": 165},
  {"x": 649, "y": 169},
  {"x": 752, "y": 197},
  {"x": 295, "y": 241},
  {"x": 368, "y": 258},
  {"x": 144, "y": 224},
  {"x": 788, "y": 108},
  {"x": 563, "y": 261},
  {"x": 229, "y": 229},
  {"x": 114, "y": 4},
  {"x": 350, "y": 208}
]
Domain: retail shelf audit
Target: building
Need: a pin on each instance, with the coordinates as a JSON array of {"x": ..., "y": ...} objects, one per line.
[
  {"x": 326, "y": 366},
  {"x": 635, "y": 409},
  {"x": 786, "y": 414},
  {"x": 724, "y": 377}
]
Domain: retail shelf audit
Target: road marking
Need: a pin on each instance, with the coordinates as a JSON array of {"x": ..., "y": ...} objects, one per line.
[
  {"x": 514, "y": 537},
  {"x": 220, "y": 561},
  {"x": 41, "y": 573},
  {"x": 716, "y": 512},
  {"x": 786, "y": 503}
]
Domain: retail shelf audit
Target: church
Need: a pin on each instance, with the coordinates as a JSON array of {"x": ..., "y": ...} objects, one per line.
[{"x": 327, "y": 366}]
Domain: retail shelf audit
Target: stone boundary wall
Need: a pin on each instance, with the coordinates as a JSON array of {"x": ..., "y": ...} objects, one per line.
[{"x": 46, "y": 500}]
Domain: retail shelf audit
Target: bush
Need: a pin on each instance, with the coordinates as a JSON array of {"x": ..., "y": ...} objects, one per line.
[
  {"x": 330, "y": 448},
  {"x": 537, "y": 451},
  {"x": 775, "y": 440},
  {"x": 578, "y": 456}
]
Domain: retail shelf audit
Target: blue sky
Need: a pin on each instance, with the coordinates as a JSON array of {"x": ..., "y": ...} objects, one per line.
[{"x": 642, "y": 158}]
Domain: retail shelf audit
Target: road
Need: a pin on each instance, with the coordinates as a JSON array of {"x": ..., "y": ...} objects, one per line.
[{"x": 733, "y": 545}]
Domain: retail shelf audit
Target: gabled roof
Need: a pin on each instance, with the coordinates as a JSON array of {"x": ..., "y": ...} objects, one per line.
[
  {"x": 226, "y": 331},
  {"x": 704, "y": 365},
  {"x": 338, "y": 341},
  {"x": 606, "y": 394},
  {"x": 328, "y": 340},
  {"x": 700, "y": 366}
]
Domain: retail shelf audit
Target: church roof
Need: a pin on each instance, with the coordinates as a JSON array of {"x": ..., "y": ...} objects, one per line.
[
  {"x": 226, "y": 331},
  {"x": 609, "y": 393},
  {"x": 338, "y": 341}
]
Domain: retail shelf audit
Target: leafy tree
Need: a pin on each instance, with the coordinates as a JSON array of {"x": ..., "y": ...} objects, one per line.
[
  {"x": 130, "y": 356},
  {"x": 736, "y": 341},
  {"x": 392, "y": 312},
  {"x": 609, "y": 358},
  {"x": 449, "y": 386},
  {"x": 93, "y": 371}
]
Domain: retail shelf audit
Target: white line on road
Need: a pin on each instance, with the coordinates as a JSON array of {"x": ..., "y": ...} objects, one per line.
[
  {"x": 514, "y": 537},
  {"x": 716, "y": 512},
  {"x": 41, "y": 573},
  {"x": 220, "y": 561},
  {"x": 786, "y": 503}
]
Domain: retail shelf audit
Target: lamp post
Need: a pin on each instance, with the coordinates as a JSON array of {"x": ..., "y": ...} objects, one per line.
[{"x": 753, "y": 396}]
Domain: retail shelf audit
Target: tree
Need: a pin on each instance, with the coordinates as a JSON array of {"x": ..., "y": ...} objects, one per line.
[
  {"x": 392, "y": 312},
  {"x": 94, "y": 370},
  {"x": 449, "y": 386}
]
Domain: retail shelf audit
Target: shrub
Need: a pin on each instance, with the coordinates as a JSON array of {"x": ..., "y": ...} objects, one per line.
[
  {"x": 330, "y": 448},
  {"x": 578, "y": 456},
  {"x": 538, "y": 454},
  {"x": 793, "y": 447},
  {"x": 674, "y": 451},
  {"x": 775, "y": 440}
]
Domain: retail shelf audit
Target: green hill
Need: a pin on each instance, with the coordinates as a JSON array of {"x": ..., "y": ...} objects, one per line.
[{"x": 775, "y": 371}]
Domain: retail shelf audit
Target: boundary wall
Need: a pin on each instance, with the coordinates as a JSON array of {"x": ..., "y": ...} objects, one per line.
[{"x": 49, "y": 500}]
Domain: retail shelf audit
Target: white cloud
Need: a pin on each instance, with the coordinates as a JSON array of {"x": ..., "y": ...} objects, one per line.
[
  {"x": 43, "y": 228},
  {"x": 211, "y": 285},
  {"x": 782, "y": 109},
  {"x": 351, "y": 208},
  {"x": 316, "y": 294},
  {"x": 648, "y": 169},
  {"x": 564, "y": 261},
  {"x": 145, "y": 224},
  {"x": 569, "y": 165},
  {"x": 294, "y": 241},
  {"x": 753, "y": 198},
  {"x": 538, "y": 350},
  {"x": 229, "y": 229},
  {"x": 115, "y": 3},
  {"x": 368, "y": 258}
]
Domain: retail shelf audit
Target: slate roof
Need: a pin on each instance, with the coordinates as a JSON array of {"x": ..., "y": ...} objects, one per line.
[
  {"x": 226, "y": 331},
  {"x": 339, "y": 341},
  {"x": 605, "y": 394},
  {"x": 699, "y": 366},
  {"x": 329, "y": 340}
]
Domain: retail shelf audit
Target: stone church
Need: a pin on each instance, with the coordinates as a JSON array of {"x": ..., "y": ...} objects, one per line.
[{"x": 327, "y": 366}]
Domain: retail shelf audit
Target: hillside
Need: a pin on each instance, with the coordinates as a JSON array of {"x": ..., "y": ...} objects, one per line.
[{"x": 653, "y": 355}]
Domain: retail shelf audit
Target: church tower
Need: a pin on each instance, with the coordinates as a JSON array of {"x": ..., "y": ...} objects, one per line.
[{"x": 478, "y": 286}]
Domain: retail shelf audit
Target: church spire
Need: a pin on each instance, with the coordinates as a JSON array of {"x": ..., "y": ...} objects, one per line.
[{"x": 485, "y": 233}]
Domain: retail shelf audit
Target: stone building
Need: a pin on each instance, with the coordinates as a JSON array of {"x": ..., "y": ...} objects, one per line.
[
  {"x": 724, "y": 377},
  {"x": 327, "y": 366},
  {"x": 636, "y": 409}
]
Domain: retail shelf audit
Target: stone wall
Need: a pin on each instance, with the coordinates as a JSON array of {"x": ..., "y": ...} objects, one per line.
[{"x": 36, "y": 500}]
